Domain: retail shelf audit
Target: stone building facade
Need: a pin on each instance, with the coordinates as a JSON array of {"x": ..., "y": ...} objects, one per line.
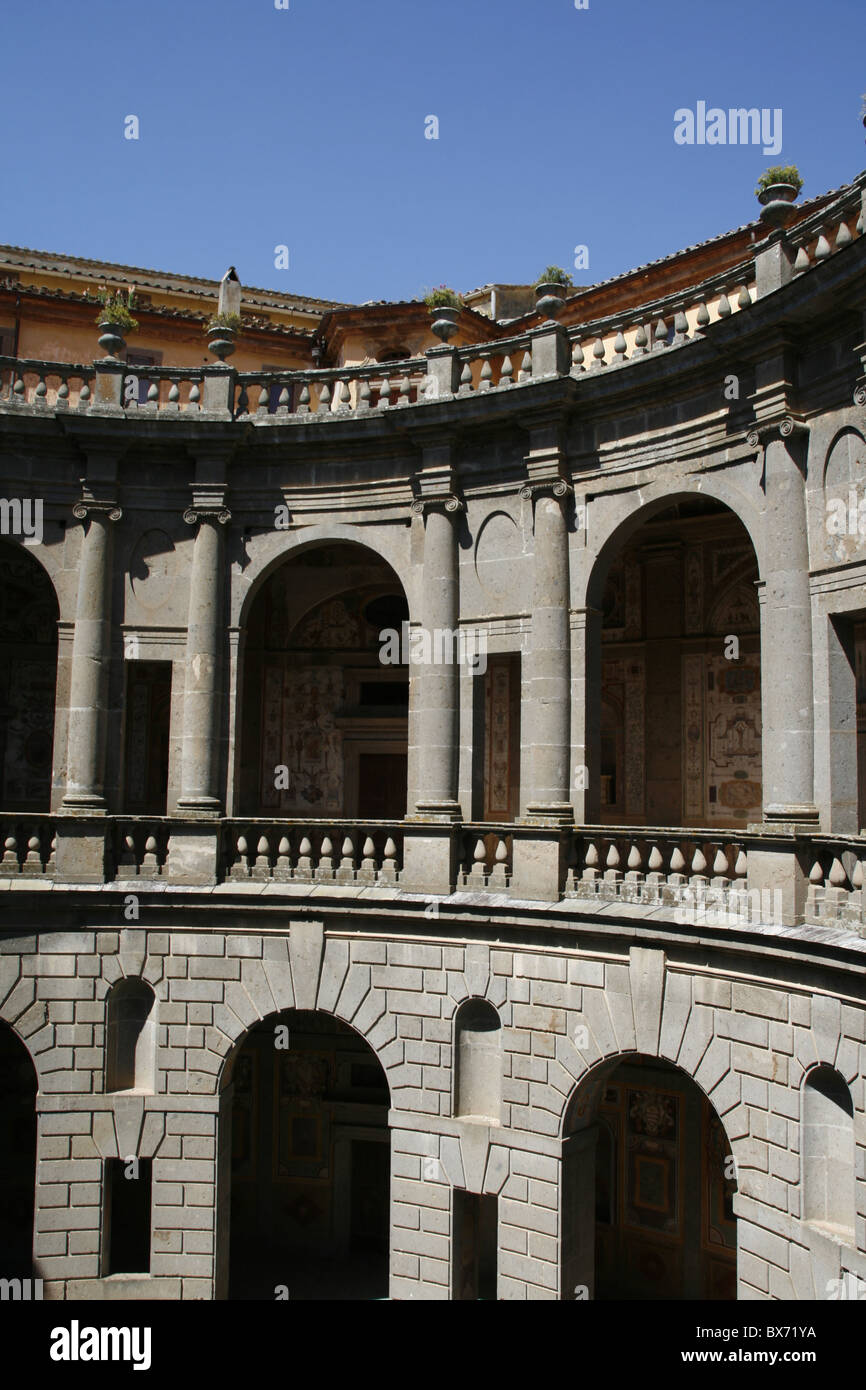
[{"x": 532, "y": 971}]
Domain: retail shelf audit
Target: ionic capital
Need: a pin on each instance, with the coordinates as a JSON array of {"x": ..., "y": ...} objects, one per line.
[{"x": 91, "y": 506}]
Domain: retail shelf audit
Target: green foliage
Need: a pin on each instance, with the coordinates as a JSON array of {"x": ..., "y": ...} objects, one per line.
[
  {"x": 779, "y": 173},
  {"x": 230, "y": 321},
  {"x": 554, "y": 275},
  {"x": 116, "y": 310},
  {"x": 443, "y": 298}
]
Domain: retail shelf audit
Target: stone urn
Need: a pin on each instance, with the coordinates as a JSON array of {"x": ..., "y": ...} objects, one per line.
[
  {"x": 445, "y": 319},
  {"x": 550, "y": 298},
  {"x": 111, "y": 337},
  {"x": 221, "y": 341},
  {"x": 776, "y": 200}
]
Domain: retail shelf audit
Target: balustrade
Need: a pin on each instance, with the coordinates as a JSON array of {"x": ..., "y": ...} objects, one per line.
[
  {"x": 29, "y": 844},
  {"x": 362, "y": 853}
]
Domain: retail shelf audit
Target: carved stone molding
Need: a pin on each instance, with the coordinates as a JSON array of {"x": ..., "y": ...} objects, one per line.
[
  {"x": 90, "y": 506},
  {"x": 785, "y": 427},
  {"x": 448, "y": 504},
  {"x": 556, "y": 487},
  {"x": 192, "y": 515}
]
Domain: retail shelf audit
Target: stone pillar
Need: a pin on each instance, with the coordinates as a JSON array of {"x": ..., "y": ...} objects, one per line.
[
  {"x": 430, "y": 848},
  {"x": 201, "y": 714},
  {"x": 586, "y": 713},
  {"x": 546, "y": 710},
  {"x": 539, "y": 859},
  {"x": 786, "y": 633},
  {"x": 88, "y": 697},
  {"x": 438, "y": 682}
]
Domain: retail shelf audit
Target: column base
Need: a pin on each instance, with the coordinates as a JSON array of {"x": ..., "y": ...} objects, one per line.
[
  {"x": 436, "y": 811},
  {"x": 795, "y": 818},
  {"x": 84, "y": 802},
  {"x": 200, "y": 807},
  {"x": 549, "y": 813}
]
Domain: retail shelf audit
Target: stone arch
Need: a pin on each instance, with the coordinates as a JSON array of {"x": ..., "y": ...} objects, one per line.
[
  {"x": 850, "y": 434},
  {"x": 29, "y": 621},
  {"x": 653, "y": 643},
  {"x": 648, "y": 1184},
  {"x": 130, "y": 1036},
  {"x": 622, "y": 519},
  {"x": 477, "y": 1072},
  {"x": 828, "y": 1152},
  {"x": 323, "y": 701},
  {"x": 284, "y": 545},
  {"x": 304, "y": 1161},
  {"x": 18, "y": 1090}
]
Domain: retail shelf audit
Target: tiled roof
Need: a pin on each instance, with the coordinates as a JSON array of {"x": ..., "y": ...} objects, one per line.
[{"x": 165, "y": 280}]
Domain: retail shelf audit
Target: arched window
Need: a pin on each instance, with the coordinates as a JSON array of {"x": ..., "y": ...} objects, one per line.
[
  {"x": 478, "y": 1044},
  {"x": 130, "y": 1037},
  {"x": 828, "y": 1152}
]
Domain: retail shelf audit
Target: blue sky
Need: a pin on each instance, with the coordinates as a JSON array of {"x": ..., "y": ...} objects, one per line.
[{"x": 305, "y": 127}]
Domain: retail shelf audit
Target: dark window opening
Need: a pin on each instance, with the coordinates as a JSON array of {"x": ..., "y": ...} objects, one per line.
[
  {"x": 128, "y": 1188},
  {"x": 476, "y": 1220}
]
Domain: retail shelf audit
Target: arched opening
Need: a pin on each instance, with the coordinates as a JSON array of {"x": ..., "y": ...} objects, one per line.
[
  {"x": 28, "y": 680},
  {"x": 324, "y": 726},
  {"x": 678, "y": 740},
  {"x": 828, "y": 1153},
  {"x": 130, "y": 1052},
  {"x": 648, "y": 1183},
  {"x": 310, "y": 1162},
  {"x": 478, "y": 1056},
  {"x": 18, "y": 1085}
]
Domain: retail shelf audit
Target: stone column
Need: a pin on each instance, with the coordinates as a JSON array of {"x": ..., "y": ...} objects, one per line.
[
  {"x": 88, "y": 697},
  {"x": 539, "y": 857},
  {"x": 546, "y": 710},
  {"x": 200, "y": 759},
  {"x": 438, "y": 682},
  {"x": 430, "y": 846},
  {"x": 786, "y": 633}
]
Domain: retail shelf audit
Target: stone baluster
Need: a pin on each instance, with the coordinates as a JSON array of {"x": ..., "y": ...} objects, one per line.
[
  {"x": 240, "y": 867},
  {"x": 506, "y": 375},
  {"x": 364, "y": 394},
  {"x": 344, "y": 398},
  {"x": 641, "y": 342},
  {"x": 384, "y": 393},
  {"x": 703, "y": 315},
  {"x": 590, "y": 863},
  {"x": 324, "y": 406},
  {"x": 202, "y": 699},
  {"x": 477, "y": 876},
  {"x": 261, "y": 868},
  {"x": 486, "y": 379},
  {"x": 263, "y": 402},
  {"x": 724, "y": 307},
  {"x": 303, "y": 399},
  {"x": 465, "y": 380},
  {"x": 304, "y": 866},
  {"x": 367, "y": 871},
  {"x": 499, "y": 874},
  {"x": 619, "y": 346},
  {"x": 660, "y": 335},
  {"x": 598, "y": 353},
  {"x": 612, "y": 870},
  {"x": 388, "y": 872},
  {"x": 525, "y": 372},
  {"x": 88, "y": 696},
  {"x": 283, "y": 867},
  {"x": 801, "y": 261},
  {"x": 194, "y": 403},
  {"x": 405, "y": 390},
  {"x": 325, "y": 866},
  {"x": 346, "y": 871}
]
